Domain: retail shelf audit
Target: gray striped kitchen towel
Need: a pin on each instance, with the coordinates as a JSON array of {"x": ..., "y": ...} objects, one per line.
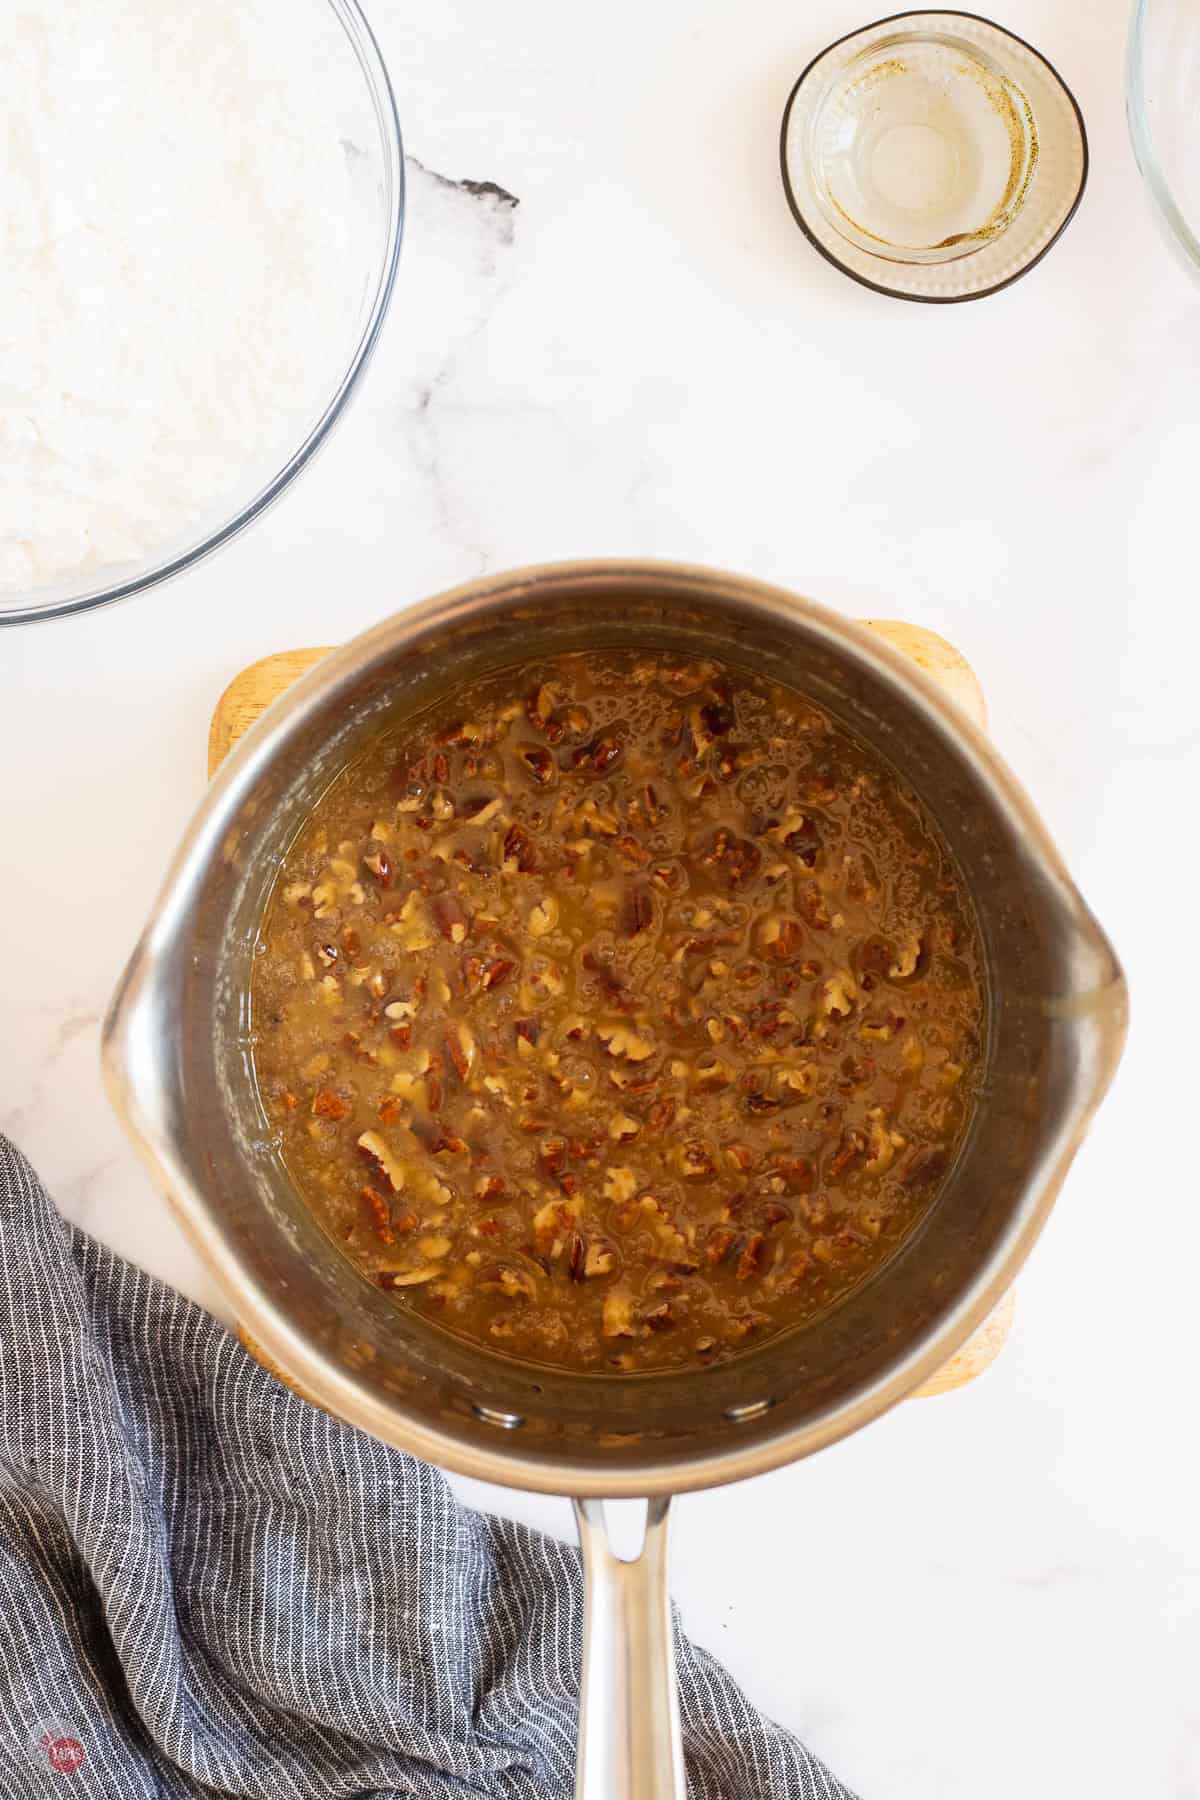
[{"x": 208, "y": 1587}]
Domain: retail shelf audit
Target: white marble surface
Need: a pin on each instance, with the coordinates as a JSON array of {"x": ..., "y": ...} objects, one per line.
[{"x": 993, "y": 1594}]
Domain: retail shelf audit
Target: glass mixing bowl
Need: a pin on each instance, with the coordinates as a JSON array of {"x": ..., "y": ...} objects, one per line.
[
  {"x": 354, "y": 81},
  {"x": 1163, "y": 101}
]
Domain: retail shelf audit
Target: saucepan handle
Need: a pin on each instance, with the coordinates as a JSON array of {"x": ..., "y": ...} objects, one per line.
[{"x": 630, "y": 1746}]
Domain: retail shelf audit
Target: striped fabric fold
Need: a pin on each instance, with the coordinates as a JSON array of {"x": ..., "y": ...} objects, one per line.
[{"x": 209, "y": 1588}]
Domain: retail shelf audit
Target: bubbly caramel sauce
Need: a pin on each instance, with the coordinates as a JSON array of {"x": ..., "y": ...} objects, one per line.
[{"x": 619, "y": 1013}]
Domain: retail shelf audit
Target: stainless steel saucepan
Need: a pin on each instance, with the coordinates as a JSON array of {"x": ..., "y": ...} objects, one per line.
[{"x": 176, "y": 1046}]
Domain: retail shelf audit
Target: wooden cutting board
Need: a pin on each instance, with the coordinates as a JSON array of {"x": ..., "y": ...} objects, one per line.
[{"x": 251, "y": 692}]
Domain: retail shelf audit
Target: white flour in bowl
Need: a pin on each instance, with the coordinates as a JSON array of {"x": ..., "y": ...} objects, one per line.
[{"x": 176, "y": 294}]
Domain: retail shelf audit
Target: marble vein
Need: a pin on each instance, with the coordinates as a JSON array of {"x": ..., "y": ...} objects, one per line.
[{"x": 485, "y": 228}]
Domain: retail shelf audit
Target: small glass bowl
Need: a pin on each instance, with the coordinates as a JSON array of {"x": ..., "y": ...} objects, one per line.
[
  {"x": 355, "y": 78},
  {"x": 922, "y": 148},
  {"x": 932, "y": 156}
]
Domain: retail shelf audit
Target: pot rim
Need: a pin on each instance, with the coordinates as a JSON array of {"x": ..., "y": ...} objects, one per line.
[{"x": 145, "y": 1087}]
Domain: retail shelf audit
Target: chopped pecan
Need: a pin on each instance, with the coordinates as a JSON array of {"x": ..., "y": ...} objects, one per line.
[
  {"x": 624, "y": 1128},
  {"x": 618, "y": 1313},
  {"x": 538, "y": 762},
  {"x": 910, "y": 959},
  {"x": 553, "y": 1155},
  {"x": 373, "y": 1146},
  {"x": 621, "y": 1041},
  {"x": 781, "y": 937},
  {"x": 404, "y": 1278},
  {"x": 661, "y": 1115},
  {"x": 796, "y": 1172},
  {"x": 760, "y": 1103},
  {"x": 544, "y": 917},
  {"x": 481, "y": 809},
  {"x": 627, "y": 847},
  {"x": 852, "y": 1146},
  {"x": 539, "y": 710},
  {"x": 519, "y": 850},
  {"x": 606, "y": 752},
  {"x": 800, "y": 1080},
  {"x": 712, "y": 720},
  {"x": 601, "y": 1259},
  {"x": 328, "y": 1105},
  {"x": 601, "y": 754},
  {"x": 427, "y": 1131},
  {"x": 660, "y": 1318},
  {"x": 461, "y": 735},
  {"x": 711, "y": 1074},
  {"x": 461, "y": 1048},
  {"x": 874, "y": 956},
  {"x": 737, "y": 858},
  {"x": 553, "y": 1224},
  {"x": 767, "y": 1019},
  {"x": 752, "y": 1256},
  {"x": 620, "y": 1184},
  {"x": 810, "y": 902},
  {"x": 882, "y": 1028},
  {"x": 838, "y": 994},
  {"x": 482, "y": 973},
  {"x": 695, "y": 1160},
  {"x": 511, "y": 1282},
  {"x": 379, "y": 864},
  {"x": 380, "y": 1214},
  {"x": 590, "y": 818},
  {"x": 450, "y": 917},
  {"x": 798, "y": 833},
  {"x": 646, "y": 808},
  {"x": 637, "y": 910},
  {"x": 884, "y": 1144},
  {"x": 718, "y": 1244}
]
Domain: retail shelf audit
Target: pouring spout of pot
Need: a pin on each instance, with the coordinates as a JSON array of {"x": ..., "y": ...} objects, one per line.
[
  {"x": 1090, "y": 1003},
  {"x": 135, "y": 1049}
]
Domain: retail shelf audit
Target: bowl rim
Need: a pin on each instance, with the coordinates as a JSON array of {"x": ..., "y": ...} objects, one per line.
[
  {"x": 1167, "y": 209},
  {"x": 365, "y": 45}
]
